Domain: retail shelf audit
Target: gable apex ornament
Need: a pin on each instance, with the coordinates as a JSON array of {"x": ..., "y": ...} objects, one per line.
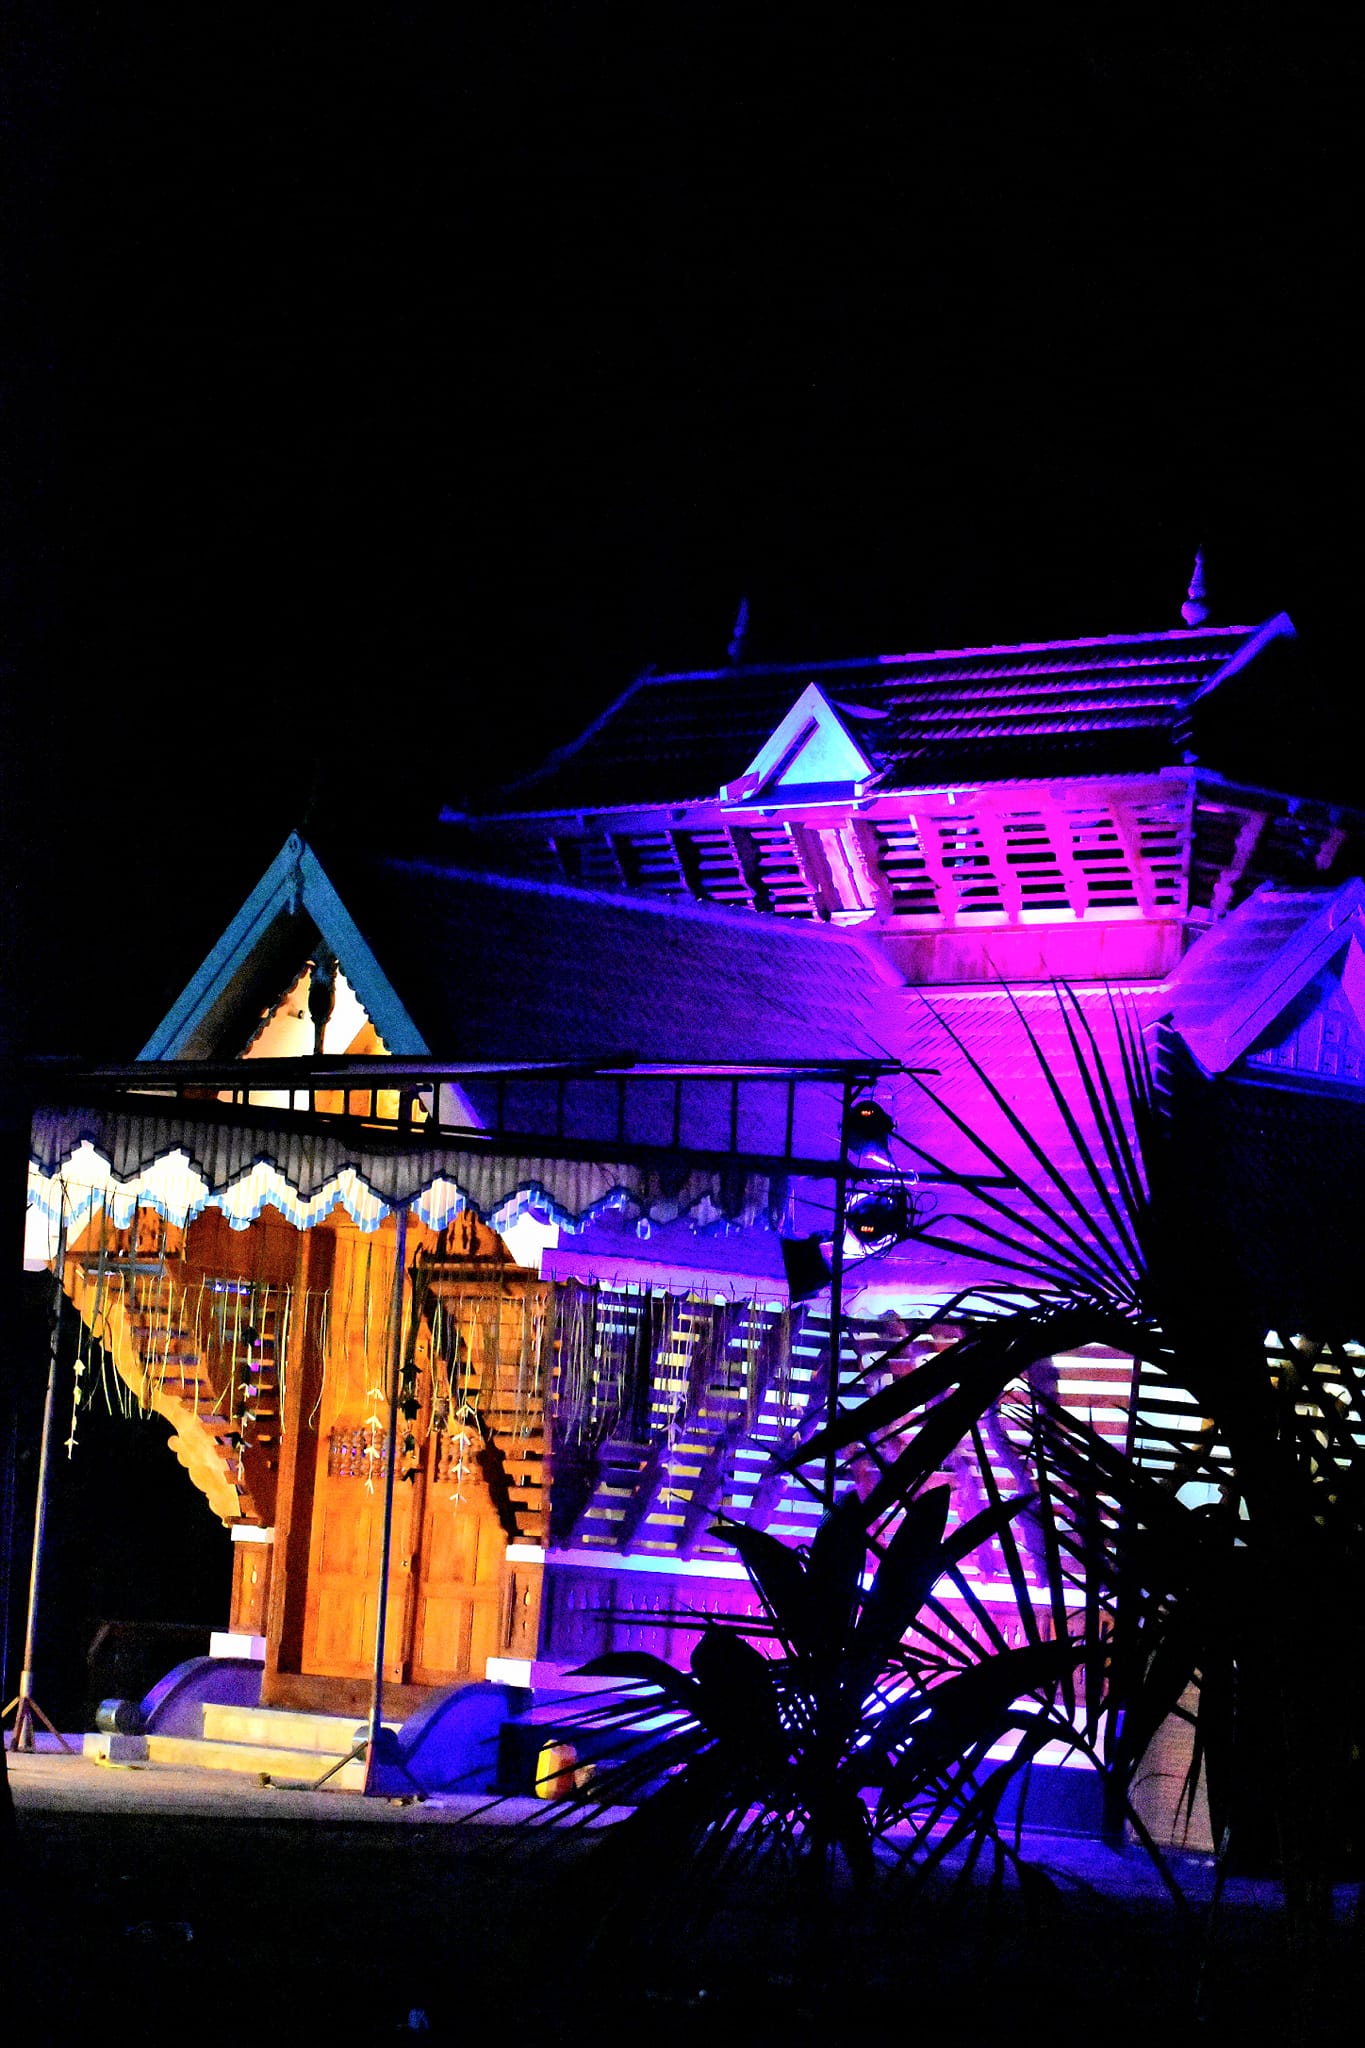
[
  {"x": 1195, "y": 610},
  {"x": 811, "y": 750}
]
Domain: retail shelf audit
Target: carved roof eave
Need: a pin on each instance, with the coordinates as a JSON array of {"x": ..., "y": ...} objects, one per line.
[{"x": 877, "y": 793}]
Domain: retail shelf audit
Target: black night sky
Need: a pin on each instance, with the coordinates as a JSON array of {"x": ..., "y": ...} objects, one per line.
[{"x": 391, "y": 386}]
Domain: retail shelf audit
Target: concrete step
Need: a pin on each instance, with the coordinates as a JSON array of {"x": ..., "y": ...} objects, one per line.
[
  {"x": 274, "y": 1742},
  {"x": 283, "y": 1728},
  {"x": 254, "y": 1759}
]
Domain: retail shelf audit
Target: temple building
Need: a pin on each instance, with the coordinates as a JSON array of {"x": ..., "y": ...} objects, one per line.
[{"x": 577, "y": 1096}]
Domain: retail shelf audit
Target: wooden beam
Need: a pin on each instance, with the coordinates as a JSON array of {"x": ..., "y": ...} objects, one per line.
[{"x": 1249, "y": 835}]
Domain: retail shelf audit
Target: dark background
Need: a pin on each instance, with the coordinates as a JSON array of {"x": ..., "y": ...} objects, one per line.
[
  {"x": 135, "y": 1570},
  {"x": 385, "y": 388},
  {"x": 395, "y": 384}
]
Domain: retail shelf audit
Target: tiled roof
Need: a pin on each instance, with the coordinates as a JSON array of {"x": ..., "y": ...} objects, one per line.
[
  {"x": 1244, "y": 973},
  {"x": 1118, "y": 705},
  {"x": 496, "y": 969}
]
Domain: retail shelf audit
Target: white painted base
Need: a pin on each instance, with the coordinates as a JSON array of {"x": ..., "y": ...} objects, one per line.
[
  {"x": 224, "y": 1643},
  {"x": 508, "y": 1671},
  {"x": 116, "y": 1749}
]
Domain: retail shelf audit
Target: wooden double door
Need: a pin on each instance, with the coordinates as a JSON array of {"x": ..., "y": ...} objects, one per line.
[{"x": 447, "y": 1595}]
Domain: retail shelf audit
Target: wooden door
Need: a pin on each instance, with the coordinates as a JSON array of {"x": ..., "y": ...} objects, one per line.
[
  {"x": 343, "y": 1580},
  {"x": 348, "y": 1494},
  {"x": 446, "y": 1561},
  {"x": 458, "y": 1618}
]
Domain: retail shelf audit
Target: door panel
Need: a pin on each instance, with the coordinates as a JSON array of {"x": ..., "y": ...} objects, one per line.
[
  {"x": 444, "y": 1616},
  {"x": 344, "y": 1573},
  {"x": 460, "y": 1586},
  {"x": 348, "y": 1495}
]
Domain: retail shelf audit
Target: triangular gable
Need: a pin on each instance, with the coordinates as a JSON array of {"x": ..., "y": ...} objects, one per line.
[
  {"x": 1254, "y": 981},
  {"x": 811, "y": 750},
  {"x": 291, "y": 909}
]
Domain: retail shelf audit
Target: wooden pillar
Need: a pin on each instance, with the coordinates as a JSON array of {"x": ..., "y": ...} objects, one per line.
[
  {"x": 251, "y": 1575},
  {"x": 525, "y": 1568}
]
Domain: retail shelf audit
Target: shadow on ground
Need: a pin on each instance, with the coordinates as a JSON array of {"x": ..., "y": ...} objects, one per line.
[{"x": 160, "y": 1927}]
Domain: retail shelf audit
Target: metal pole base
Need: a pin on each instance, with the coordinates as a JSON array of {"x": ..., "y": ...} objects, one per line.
[{"x": 23, "y": 1706}]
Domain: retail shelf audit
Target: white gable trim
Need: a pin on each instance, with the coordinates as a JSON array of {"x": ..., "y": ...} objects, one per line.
[
  {"x": 294, "y": 882},
  {"x": 811, "y": 747}
]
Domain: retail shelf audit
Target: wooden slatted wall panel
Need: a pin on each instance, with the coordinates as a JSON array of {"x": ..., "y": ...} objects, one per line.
[
  {"x": 783, "y": 871},
  {"x": 987, "y": 858},
  {"x": 650, "y": 862},
  {"x": 785, "y": 1504},
  {"x": 1169, "y": 1427},
  {"x": 722, "y": 1448},
  {"x": 1163, "y": 831},
  {"x": 711, "y": 1449},
  {"x": 1167, "y": 1424},
  {"x": 599, "y": 864},
  {"x": 714, "y": 868}
]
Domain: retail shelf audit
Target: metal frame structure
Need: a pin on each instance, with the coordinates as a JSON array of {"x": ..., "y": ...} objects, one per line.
[{"x": 194, "y": 1088}]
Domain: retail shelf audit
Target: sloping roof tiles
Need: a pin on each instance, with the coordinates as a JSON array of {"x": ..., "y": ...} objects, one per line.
[
  {"x": 1117, "y": 705},
  {"x": 480, "y": 968},
  {"x": 498, "y": 969},
  {"x": 1244, "y": 973}
]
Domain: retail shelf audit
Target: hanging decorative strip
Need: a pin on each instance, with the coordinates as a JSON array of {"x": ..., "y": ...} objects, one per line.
[{"x": 181, "y": 1165}]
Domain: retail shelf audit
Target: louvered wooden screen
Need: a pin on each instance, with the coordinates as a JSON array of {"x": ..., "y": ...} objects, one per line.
[
  {"x": 713, "y": 860},
  {"x": 650, "y": 861},
  {"x": 782, "y": 869},
  {"x": 730, "y": 1389},
  {"x": 1170, "y": 1431},
  {"x": 987, "y": 858},
  {"x": 727, "y": 1385}
]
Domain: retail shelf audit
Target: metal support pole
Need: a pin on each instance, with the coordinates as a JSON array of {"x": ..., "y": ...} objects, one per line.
[
  {"x": 25, "y": 1705},
  {"x": 400, "y": 1257},
  {"x": 836, "y": 1293}
]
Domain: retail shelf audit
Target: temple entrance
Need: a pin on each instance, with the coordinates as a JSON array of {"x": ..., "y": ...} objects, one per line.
[
  {"x": 269, "y": 1350},
  {"x": 447, "y": 1553},
  {"x": 446, "y": 1567},
  {"x": 446, "y": 1577}
]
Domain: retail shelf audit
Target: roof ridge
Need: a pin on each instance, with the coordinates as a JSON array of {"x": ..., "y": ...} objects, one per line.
[{"x": 733, "y": 670}]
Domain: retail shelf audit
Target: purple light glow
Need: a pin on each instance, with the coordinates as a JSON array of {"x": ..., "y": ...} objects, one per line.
[{"x": 1063, "y": 646}]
